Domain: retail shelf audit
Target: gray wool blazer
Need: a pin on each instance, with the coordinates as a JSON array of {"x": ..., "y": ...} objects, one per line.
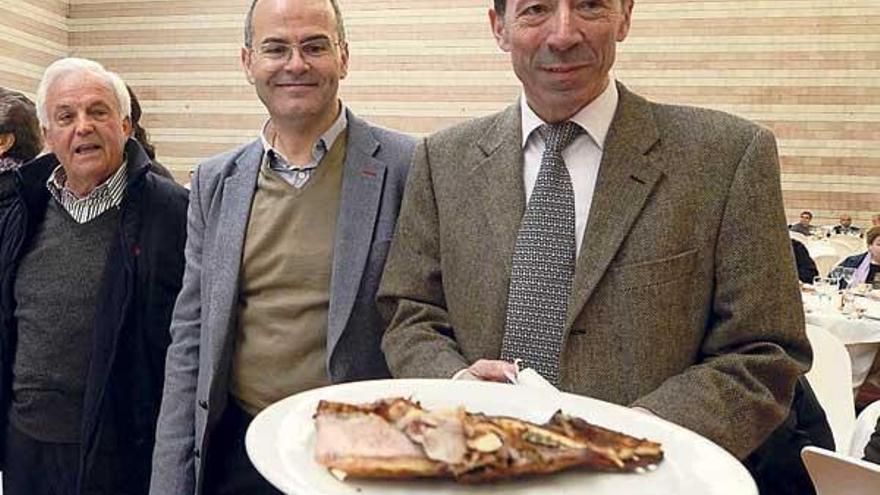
[
  {"x": 685, "y": 299},
  {"x": 203, "y": 325}
]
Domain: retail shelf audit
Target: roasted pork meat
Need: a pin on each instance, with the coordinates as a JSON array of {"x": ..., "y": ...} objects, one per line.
[{"x": 396, "y": 438}]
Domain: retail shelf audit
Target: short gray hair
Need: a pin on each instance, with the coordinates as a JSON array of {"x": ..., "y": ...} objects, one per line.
[
  {"x": 69, "y": 65},
  {"x": 249, "y": 24}
]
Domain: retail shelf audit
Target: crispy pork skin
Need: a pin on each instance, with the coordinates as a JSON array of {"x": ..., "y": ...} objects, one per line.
[{"x": 396, "y": 438}]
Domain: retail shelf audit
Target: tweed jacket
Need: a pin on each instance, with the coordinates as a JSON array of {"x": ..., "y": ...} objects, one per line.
[
  {"x": 203, "y": 326},
  {"x": 684, "y": 299}
]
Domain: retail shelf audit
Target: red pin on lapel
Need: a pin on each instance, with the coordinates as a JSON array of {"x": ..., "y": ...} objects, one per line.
[{"x": 368, "y": 172}]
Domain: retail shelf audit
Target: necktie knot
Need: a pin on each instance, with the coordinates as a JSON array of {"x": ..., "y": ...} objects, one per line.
[{"x": 559, "y": 135}]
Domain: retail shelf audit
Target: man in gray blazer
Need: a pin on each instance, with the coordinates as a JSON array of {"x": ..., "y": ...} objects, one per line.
[
  {"x": 287, "y": 241},
  {"x": 675, "y": 292}
]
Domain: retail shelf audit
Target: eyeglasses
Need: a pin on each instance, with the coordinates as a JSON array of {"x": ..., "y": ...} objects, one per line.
[{"x": 312, "y": 49}]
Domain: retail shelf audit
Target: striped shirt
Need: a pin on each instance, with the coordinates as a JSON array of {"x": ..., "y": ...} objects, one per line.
[
  {"x": 107, "y": 195},
  {"x": 298, "y": 175}
]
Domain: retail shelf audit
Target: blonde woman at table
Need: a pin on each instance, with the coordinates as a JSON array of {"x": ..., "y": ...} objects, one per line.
[{"x": 868, "y": 263}]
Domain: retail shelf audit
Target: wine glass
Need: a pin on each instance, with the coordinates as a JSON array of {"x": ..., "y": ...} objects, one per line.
[
  {"x": 860, "y": 306},
  {"x": 843, "y": 274},
  {"x": 820, "y": 284},
  {"x": 829, "y": 289},
  {"x": 846, "y": 275}
]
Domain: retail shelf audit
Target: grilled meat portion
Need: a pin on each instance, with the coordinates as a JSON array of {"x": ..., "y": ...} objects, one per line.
[{"x": 396, "y": 438}]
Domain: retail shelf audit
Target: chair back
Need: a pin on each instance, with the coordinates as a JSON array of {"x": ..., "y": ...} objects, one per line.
[
  {"x": 831, "y": 380},
  {"x": 825, "y": 262},
  {"x": 865, "y": 426},
  {"x": 853, "y": 244},
  {"x": 836, "y": 474},
  {"x": 841, "y": 248}
]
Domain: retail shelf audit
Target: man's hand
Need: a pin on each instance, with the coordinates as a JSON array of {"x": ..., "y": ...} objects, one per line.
[{"x": 489, "y": 370}]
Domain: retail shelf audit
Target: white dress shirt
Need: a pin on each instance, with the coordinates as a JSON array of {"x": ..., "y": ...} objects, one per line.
[{"x": 582, "y": 156}]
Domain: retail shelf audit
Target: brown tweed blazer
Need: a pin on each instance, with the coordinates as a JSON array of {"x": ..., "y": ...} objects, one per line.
[{"x": 685, "y": 298}]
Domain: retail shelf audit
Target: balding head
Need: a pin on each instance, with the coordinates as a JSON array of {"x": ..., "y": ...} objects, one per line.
[{"x": 249, "y": 23}]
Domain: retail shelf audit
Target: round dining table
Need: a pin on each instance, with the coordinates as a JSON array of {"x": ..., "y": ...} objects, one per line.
[{"x": 860, "y": 335}]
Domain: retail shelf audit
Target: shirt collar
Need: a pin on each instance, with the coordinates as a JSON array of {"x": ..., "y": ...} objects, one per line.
[
  {"x": 324, "y": 142},
  {"x": 57, "y": 184},
  {"x": 108, "y": 194},
  {"x": 595, "y": 118}
]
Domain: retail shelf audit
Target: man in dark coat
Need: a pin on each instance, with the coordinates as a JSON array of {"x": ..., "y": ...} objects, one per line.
[
  {"x": 91, "y": 260},
  {"x": 872, "y": 450},
  {"x": 806, "y": 267},
  {"x": 803, "y": 226},
  {"x": 845, "y": 227}
]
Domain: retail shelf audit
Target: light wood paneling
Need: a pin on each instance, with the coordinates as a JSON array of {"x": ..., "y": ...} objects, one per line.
[
  {"x": 33, "y": 33},
  {"x": 807, "y": 69}
]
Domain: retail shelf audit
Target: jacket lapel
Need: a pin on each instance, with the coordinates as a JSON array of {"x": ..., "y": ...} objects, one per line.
[
  {"x": 627, "y": 175},
  {"x": 497, "y": 182},
  {"x": 362, "y": 181},
  {"x": 237, "y": 196}
]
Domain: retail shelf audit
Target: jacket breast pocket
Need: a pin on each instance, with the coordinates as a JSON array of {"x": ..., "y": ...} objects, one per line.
[{"x": 653, "y": 272}]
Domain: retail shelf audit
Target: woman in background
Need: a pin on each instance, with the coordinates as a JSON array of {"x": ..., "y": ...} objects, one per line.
[
  {"x": 20, "y": 140},
  {"x": 866, "y": 264},
  {"x": 140, "y": 135}
]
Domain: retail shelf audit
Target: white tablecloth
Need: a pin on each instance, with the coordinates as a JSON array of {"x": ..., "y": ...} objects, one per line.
[{"x": 861, "y": 336}]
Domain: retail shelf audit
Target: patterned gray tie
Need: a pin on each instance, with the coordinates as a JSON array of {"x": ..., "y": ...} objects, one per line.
[{"x": 543, "y": 262}]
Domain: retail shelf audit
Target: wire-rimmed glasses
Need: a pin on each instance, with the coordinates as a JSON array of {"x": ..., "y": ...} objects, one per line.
[{"x": 309, "y": 50}]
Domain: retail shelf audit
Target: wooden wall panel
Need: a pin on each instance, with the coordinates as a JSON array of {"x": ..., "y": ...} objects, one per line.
[
  {"x": 33, "y": 33},
  {"x": 807, "y": 69}
]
